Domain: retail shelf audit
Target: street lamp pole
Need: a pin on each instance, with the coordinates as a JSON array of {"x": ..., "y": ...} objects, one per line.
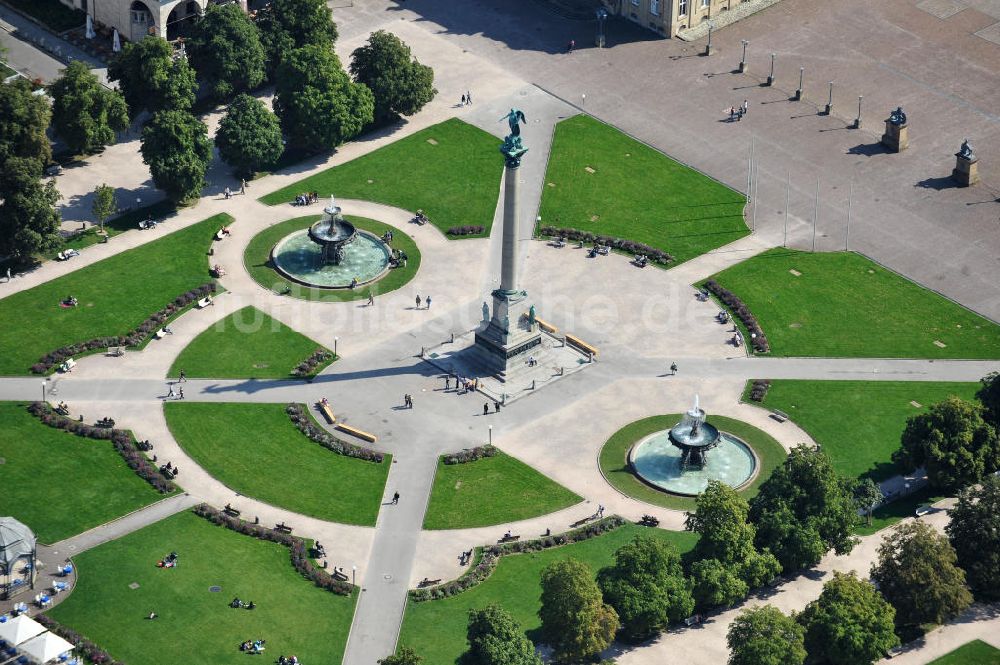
[
  {"x": 743, "y": 62},
  {"x": 798, "y": 93},
  {"x": 770, "y": 77},
  {"x": 815, "y": 215},
  {"x": 43, "y": 391},
  {"x": 708, "y": 47},
  {"x": 829, "y": 103},
  {"x": 335, "y": 340},
  {"x": 784, "y": 243},
  {"x": 602, "y": 14},
  {"x": 354, "y": 575},
  {"x": 857, "y": 121},
  {"x": 491, "y": 435}
]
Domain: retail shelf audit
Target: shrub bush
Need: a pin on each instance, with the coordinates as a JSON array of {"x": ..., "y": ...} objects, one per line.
[
  {"x": 757, "y": 337},
  {"x": 132, "y": 338},
  {"x": 758, "y": 389},
  {"x": 298, "y": 551},
  {"x": 471, "y": 454},
  {"x": 308, "y": 366},
  {"x": 90, "y": 651},
  {"x": 298, "y": 415},
  {"x": 465, "y": 230},
  {"x": 632, "y": 247},
  {"x": 123, "y": 441}
]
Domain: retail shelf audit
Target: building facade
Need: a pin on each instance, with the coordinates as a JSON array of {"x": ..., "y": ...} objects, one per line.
[
  {"x": 134, "y": 19},
  {"x": 669, "y": 17}
]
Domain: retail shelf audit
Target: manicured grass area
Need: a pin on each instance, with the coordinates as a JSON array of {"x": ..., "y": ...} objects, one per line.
[
  {"x": 195, "y": 625},
  {"x": 491, "y": 491},
  {"x": 975, "y": 652},
  {"x": 247, "y": 344},
  {"x": 450, "y": 170},
  {"x": 605, "y": 182},
  {"x": 60, "y": 484},
  {"x": 52, "y": 13},
  {"x": 858, "y": 423},
  {"x": 115, "y": 295},
  {"x": 614, "y": 457},
  {"x": 436, "y": 628},
  {"x": 256, "y": 450},
  {"x": 842, "y": 304},
  {"x": 257, "y": 258}
]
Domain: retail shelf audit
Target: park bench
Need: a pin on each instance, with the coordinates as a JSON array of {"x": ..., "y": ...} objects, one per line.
[
  {"x": 428, "y": 582},
  {"x": 573, "y": 340},
  {"x": 354, "y": 431},
  {"x": 339, "y": 575},
  {"x": 780, "y": 416},
  {"x": 693, "y": 620},
  {"x": 327, "y": 412},
  {"x": 67, "y": 365},
  {"x": 509, "y": 538},
  {"x": 116, "y": 351},
  {"x": 205, "y": 302},
  {"x": 281, "y": 527},
  {"x": 232, "y": 512}
]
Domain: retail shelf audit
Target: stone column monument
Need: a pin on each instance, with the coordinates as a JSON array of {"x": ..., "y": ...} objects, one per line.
[
  {"x": 506, "y": 337},
  {"x": 896, "y": 137},
  {"x": 966, "y": 171}
]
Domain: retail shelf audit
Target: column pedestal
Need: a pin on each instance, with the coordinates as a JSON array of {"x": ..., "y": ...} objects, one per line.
[
  {"x": 896, "y": 137},
  {"x": 966, "y": 171}
]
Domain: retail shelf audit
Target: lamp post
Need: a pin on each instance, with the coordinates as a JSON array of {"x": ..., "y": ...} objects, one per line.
[
  {"x": 743, "y": 61},
  {"x": 491, "y": 435},
  {"x": 335, "y": 340},
  {"x": 829, "y": 104},
  {"x": 354, "y": 575},
  {"x": 798, "y": 92},
  {"x": 602, "y": 15},
  {"x": 708, "y": 46},
  {"x": 43, "y": 391},
  {"x": 857, "y": 121},
  {"x": 770, "y": 77},
  {"x": 583, "y": 100}
]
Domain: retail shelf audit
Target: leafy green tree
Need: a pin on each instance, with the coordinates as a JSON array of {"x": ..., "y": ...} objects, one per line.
[
  {"x": 85, "y": 114},
  {"x": 249, "y": 136},
  {"x": 953, "y": 442},
  {"x": 226, "y": 52},
  {"x": 401, "y": 85},
  {"x": 646, "y": 587},
  {"x": 104, "y": 204},
  {"x": 29, "y": 222},
  {"x": 989, "y": 396},
  {"x": 406, "y": 656},
  {"x": 716, "y": 584},
  {"x": 974, "y": 532},
  {"x": 765, "y": 636},
  {"x": 151, "y": 79},
  {"x": 849, "y": 624},
  {"x": 916, "y": 572},
  {"x": 178, "y": 152},
  {"x": 318, "y": 104},
  {"x": 575, "y": 621},
  {"x": 867, "y": 495},
  {"x": 727, "y": 535},
  {"x": 495, "y": 638},
  {"x": 804, "y": 509},
  {"x": 24, "y": 118},
  {"x": 290, "y": 24}
]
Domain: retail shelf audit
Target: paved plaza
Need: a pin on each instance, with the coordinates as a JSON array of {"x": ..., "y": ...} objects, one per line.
[{"x": 939, "y": 60}]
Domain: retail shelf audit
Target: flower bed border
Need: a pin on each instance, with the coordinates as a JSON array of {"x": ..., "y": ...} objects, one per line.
[
  {"x": 297, "y": 547},
  {"x": 90, "y": 651},
  {"x": 312, "y": 365},
  {"x": 739, "y": 308},
  {"x": 122, "y": 439},
  {"x": 490, "y": 556},
  {"x": 654, "y": 254},
  {"x": 758, "y": 389},
  {"x": 468, "y": 230},
  {"x": 471, "y": 454},
  {"x": 303, "y": 420}
]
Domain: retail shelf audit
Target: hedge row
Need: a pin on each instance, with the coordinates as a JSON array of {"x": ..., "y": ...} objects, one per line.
[
  {"x": 123, "y": 441},
  {"x": 132, "y": 338},
  {"x": 90, "y": 651},
  {"x": 491, "y": 555},
  {"x": 471, "y": 454},
  {"x": 757, "y": 337},
  {"x": 308, "y": 366},
  {"x": 632, "y": 247},
  {"x": 297, "y": 547},
  {"x": 758, "y": 389},
  {"x": 465, "y": 230},
  {"x": 298, "y": 415}
]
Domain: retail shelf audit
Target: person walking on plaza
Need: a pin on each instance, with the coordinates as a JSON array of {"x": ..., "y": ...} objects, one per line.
[
  {"x": 428, "y": 302},
  {"x": 170, "y": 392},
  {"x": 395, "y": 498},
  {"x": 371, "y": 298},
  {"x": 746, "y": 107},
  {"x": 673, "y": 369},
  {"x": 463, "y": 99},
  {"x": 183, "y": 377},
  {"x": 180, "y": 393},
  {"x": 447, "y": 383},
  {"x": 496, "y": 407},
  {"x": 468, "y": 98},
  {"x": 486, "y": 409},
  {"x": 418, "y": 301}
]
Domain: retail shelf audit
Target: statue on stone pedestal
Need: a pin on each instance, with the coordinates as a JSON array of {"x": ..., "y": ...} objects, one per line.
[
  {"x": 531, "y": 316},
  {"x": 512, "y": 147},
  {"x": 965, "y": 152},
  {"x": 486, "y": 311},
  {"x": 897, "y": 117}
]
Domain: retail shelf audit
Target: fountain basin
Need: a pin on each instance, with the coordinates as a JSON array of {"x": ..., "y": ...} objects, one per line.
[
  {"x": 659, "y": 462},
  {"x": 299, "y": 258}
]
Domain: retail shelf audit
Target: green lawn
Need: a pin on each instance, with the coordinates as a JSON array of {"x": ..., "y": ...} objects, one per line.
[
  {"x": 491, "y": 491},
  {"x": 257, "y": 258},
  {"x": 450, "y": 170},
  {"x": 635, "y": 192},
  {"x": 844, "y": 305},
  {"x": 195, "y": 625},
  {"x": 436, "y": 628},
  {"x": 255, "y": 450},
  {"x": 247, "y": 344},
  {"x": 975, "y": 652},
  {"x": 115, "y": 295},
  {"x": 614, "y": 457},
  {"x": 858, "y": 423},
  {"x": 60, "y": 484}
]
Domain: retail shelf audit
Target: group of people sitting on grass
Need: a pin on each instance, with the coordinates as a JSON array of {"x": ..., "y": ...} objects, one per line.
[
  {"x": 239, "y": 604},
  {"x": 253, "y": 646},
  {"x": 168, "y": 561},
  {"x": 306, "y": 198},
  {"x": 290, "y": 660},
  {"x": 62, "y": 409},
  {"x": 70, "y": 301}
]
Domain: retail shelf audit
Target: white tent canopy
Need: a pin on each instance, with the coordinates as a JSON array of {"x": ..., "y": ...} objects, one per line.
[
  {"x": 20, "y": 629},
  {"x": 45, "y": 647}
]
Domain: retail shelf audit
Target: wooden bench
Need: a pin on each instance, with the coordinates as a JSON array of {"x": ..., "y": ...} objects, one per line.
[
  {"x": 354, "y": 431},
  {"x": 428, "y": 582},
  {"x": 205, "y": 302},
  {"x": 232, "y": 512},
  {"x": 780, "y": 416},
  {"x": 281, "y": 527},
  {"x": 572, "y": 340},
  {"x": 327, "y": 412},
  {"x": 509, "y": 539},
  {"x": 116, "y": 351},
  {"x": 67, "y": 365}
]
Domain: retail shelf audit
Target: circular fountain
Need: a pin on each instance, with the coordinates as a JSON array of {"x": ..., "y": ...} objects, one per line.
[
  {"x": 683, "y": 459},
  {"x": 331, "y": 254}
]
